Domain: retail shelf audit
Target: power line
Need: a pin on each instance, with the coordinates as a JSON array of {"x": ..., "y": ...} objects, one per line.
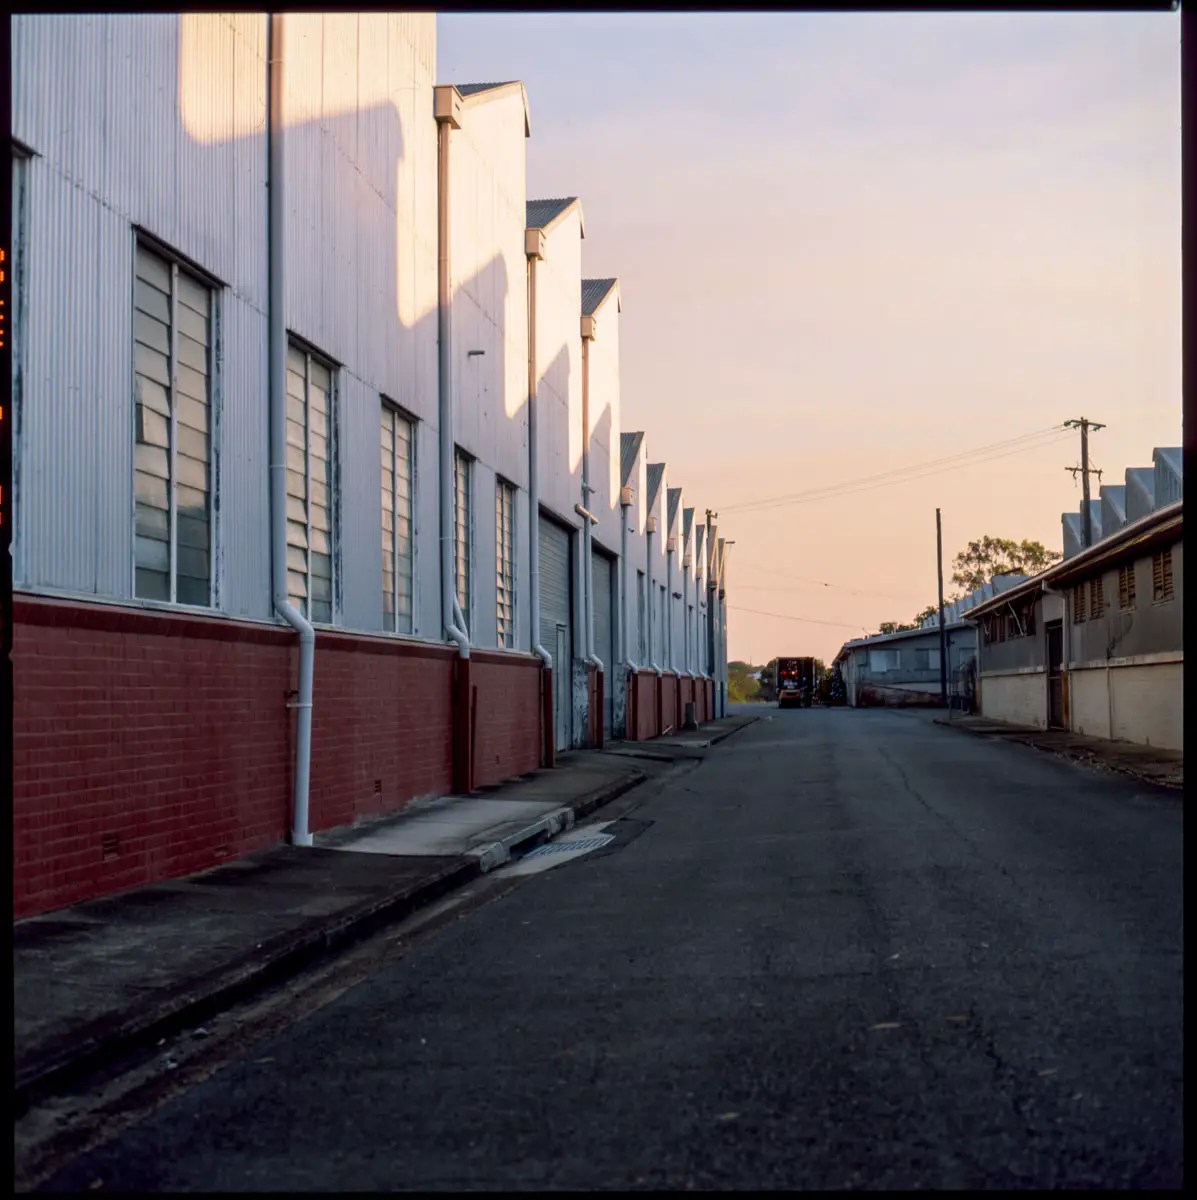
[
  {"x": 847, "y": 490},
  {"x": 885, "y": 476},
  {"x": 791, "y": 617},
  {"x": 764, "y": 587},
  {"x": 930, "y": 466}
]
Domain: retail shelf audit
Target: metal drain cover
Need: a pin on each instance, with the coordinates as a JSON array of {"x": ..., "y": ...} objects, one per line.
[{"x": 575, "y": 847}]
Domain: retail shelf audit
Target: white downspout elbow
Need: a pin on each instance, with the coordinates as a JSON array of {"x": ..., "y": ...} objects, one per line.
[{"x": 277, "y": 368}]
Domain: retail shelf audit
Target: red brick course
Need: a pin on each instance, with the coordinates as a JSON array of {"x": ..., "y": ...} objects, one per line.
[{"x": 149, "y": 744}]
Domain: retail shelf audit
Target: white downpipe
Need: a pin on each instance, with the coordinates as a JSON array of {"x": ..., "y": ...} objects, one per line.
[
  {"x": 624, "y": 641},
  {"x": 587, "y": 521},
  {"x": 534, "y": 479},
  {"x": 670, "y": 663},
  {"x": 685, "y": 619},
  {"x": 275, "y": 214},
  {"x": 648, "y": 587},
  {"x": 451, "y": 614}
]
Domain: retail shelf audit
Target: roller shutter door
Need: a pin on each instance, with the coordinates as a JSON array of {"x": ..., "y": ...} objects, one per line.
[
  {"x": 556, "y": 634},
  {"x": 604, "y": 633}
]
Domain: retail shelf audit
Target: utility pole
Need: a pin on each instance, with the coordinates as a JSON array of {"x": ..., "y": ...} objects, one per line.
[
  {"x": 943, "y": 635},
  {"x": 1086, "y": 517}
]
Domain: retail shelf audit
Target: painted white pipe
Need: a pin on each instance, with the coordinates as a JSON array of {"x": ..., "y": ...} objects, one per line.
[
  {"x": 277, "y": 335},
  {"x": 587, "y": 520},
  {"x": 534, "y": 476},
  {"x": 451, "y": 614},
  {"x": 648, "y": 581},
  {"x": 670, "y": 660},
  {"x": 624, "y": 641},
  {"x": 685, "y": 618}
]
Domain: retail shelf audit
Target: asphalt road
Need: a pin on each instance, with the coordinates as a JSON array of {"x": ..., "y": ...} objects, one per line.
[{"x": 852, "y": 949}]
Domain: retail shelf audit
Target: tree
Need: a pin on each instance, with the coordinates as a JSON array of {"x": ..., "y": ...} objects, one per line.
[
  {"x": 976, "y": 566},
  {"x": 894, "y": 627},
  {"x": 742, "y": 685}
]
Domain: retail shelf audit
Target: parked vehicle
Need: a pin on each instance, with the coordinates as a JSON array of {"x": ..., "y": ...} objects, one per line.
[{"x": 795, "y": 682}]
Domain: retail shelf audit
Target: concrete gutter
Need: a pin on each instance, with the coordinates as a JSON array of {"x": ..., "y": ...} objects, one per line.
[
  {"x": 258, "y": 935},
  {"x": 1148, "y": 764}
]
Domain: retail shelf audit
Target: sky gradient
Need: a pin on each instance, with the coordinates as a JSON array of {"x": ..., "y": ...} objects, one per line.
[{"x": 852, "y": 242}]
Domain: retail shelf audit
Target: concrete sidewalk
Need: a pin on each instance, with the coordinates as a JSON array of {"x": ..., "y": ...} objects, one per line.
[
  {"x": 117, "y": 974},
  {"x": 1152, "y": 764}
]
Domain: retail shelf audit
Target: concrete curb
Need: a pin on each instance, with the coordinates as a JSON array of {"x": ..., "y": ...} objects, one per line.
[
  {"x": 728, "y": 732},
  {"x": 1069, "y": 753},
  {"x": 65, "y": 1060},
  {"x": 59, "y": 1063}
]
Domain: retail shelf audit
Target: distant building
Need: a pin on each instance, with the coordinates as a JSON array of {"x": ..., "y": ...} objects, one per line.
[{"x": 903, "y": 668}]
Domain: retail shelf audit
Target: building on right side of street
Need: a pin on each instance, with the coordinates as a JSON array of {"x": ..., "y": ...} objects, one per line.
[{"x": 1095, "y": 644}]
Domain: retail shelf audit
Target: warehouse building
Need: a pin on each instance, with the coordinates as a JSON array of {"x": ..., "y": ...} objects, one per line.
[{"x": 311, "y": 519}]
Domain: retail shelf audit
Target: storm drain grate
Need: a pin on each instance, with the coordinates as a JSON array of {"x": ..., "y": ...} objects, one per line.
[{"x": 590, "y": 843}]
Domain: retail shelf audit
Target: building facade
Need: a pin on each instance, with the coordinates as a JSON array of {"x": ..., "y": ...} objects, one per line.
[
  {"x": 274, "y": 531},
  {"x": 1095, "y": 644}
]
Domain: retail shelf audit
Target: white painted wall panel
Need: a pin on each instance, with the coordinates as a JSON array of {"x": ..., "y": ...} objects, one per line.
[
  {"x": 1147, "y": 704},
  {"x": 1020, "y": 699}
]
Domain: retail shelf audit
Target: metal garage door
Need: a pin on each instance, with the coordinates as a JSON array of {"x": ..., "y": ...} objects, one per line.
[
  {"x": 604, "y": 633},
  {"x": 555, "y": 624}
]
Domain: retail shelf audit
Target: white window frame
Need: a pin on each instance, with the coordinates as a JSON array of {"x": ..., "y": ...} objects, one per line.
[
  {"x": 463, "y": 468},
  {"x": 310, "y": 353},
  {"x": 178, "y": 264},
  {"x": 396, "y": 412},
  {"x": 505, "y": 576}
]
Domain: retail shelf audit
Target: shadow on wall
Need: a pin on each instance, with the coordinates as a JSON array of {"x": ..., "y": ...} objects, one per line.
[{"x": 223, "y": 751}]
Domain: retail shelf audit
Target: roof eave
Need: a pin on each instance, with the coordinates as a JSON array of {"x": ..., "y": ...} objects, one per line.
[
  {"x": 473, "y": 99},
  {"x": 1158, "y": 524}
]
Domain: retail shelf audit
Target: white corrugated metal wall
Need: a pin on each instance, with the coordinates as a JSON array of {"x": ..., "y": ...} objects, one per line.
[{"x": 157, "y": 122}]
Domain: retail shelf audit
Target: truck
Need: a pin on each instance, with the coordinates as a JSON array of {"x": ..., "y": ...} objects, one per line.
[{"x": 794, "y": 682}]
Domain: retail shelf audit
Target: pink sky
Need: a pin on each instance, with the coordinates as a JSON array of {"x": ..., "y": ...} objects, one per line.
[{"x": 847, "y": 243}]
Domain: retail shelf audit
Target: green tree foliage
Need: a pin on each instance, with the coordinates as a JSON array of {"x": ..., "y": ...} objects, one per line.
[
  {"x": 976, "y": 566},
  {"x": 742, "y": 683}
]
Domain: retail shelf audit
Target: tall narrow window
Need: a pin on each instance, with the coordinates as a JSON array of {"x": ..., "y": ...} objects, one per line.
[
  {"x": 1097, "y": 600},
  {"x": 1126, "y": 586},
  {"x": 641, "y": 624},
  {"x": 173, "y": 406},
  {"x": 462, "y": 512},
  {"x": 1161, "y": 575},
  {"x": 505, "y": 562},
  {"x": 309, "y": 484},
  {"x": 398, "y": 475}
]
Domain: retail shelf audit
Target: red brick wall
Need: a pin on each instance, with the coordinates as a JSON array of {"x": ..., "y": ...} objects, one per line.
[
  {"x": 381, "y": 722},
  {"x": 507, "y": 737},
  {"x": 172, "y": 734},
  {"x": 644, "y": 683},
  {"x": 163, "y": 731},
  {"x": 668, "y": 702}
]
